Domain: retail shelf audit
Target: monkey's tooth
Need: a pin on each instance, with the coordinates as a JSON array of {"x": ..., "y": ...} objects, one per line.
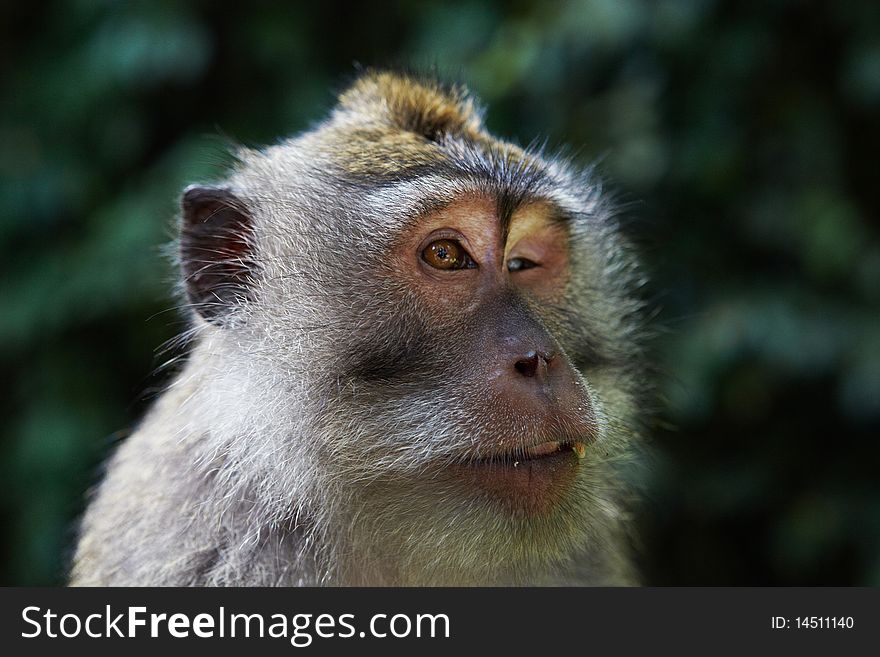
[{"x": 580, "y": 449}]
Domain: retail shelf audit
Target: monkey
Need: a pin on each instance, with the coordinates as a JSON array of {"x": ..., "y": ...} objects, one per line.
[{"x": 414, "y": 357}]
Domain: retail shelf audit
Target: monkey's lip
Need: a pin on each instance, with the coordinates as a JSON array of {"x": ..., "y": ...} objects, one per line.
[
  {"x": 527, "y": 480},
  {"x": 524, "y": 453}
]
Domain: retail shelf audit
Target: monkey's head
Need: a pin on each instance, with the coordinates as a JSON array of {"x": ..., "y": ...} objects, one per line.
[{"x": 416, "y": 341}]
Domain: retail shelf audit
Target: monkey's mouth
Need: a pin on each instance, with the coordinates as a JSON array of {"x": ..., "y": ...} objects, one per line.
[
  {"x": 545, "y": 450},
  {"x": 527, "y": 480}
]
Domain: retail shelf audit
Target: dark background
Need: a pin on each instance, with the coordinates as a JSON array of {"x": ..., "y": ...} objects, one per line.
[{"x": 741, "y": 138}]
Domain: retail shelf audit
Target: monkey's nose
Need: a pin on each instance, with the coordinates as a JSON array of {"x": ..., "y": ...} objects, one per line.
[{"x": 533, "y": 364}]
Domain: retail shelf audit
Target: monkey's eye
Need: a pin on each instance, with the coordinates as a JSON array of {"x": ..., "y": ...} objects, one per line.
[
  {"x": 516, "y": 264},
  {"x": 447, "y": 254}
]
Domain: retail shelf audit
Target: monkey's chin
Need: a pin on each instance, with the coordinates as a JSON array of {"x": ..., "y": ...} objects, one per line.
[{"x": 533, "y": 484}]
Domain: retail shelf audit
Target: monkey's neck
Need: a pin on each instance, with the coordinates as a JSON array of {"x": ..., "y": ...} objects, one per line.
[{"x": 249, "y": 503}]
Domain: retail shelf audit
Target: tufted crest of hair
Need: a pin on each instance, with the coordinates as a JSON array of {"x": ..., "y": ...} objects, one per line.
[
  {"x": 295, "y": 444},
  {"x": 428, "y": 108}
]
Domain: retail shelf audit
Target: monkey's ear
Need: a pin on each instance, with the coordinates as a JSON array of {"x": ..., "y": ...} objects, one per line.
[{"x": 215, "y": 250}]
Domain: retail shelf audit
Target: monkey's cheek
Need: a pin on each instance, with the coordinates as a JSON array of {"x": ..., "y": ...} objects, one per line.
[{"x": 530, "y": 487}]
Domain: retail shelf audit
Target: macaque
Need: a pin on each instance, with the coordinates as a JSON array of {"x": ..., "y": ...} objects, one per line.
[{"x": 414, "y": 359}]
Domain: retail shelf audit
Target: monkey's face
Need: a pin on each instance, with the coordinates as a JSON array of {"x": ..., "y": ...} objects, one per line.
[{"x": 484, "y": 293}]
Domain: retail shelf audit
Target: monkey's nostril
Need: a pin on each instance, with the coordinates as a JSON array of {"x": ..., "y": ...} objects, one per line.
[{"x": 528, "y": 365}]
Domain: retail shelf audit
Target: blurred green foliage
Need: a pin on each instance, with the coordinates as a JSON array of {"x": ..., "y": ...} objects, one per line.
[{"x": 741, "y": 139}]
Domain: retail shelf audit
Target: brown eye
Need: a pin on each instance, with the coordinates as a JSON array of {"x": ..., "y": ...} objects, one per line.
[{"x": 447, "y": 254}]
